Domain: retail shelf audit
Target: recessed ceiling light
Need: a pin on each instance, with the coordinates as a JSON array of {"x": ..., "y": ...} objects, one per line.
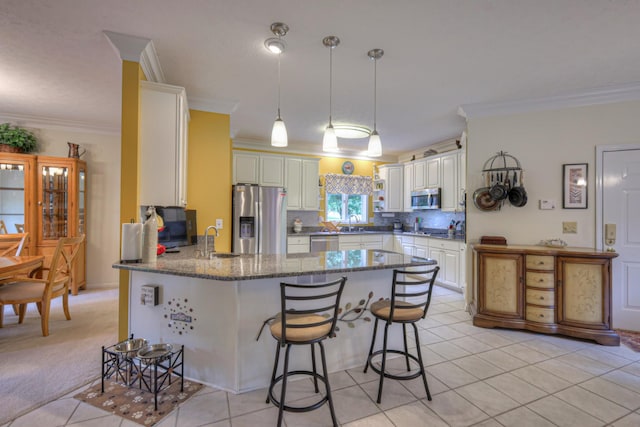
[{"x": 351, "y": 131}]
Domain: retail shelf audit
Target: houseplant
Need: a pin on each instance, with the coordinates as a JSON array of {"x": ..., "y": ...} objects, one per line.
[{"x": 16, "y": 139}]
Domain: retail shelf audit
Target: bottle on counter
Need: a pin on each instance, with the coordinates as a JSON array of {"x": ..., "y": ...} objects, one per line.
[
  {"x": 416, "y": 225},
  {"x": 150, "y": 237}
]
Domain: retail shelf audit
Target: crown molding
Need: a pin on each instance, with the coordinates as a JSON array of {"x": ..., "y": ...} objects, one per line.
[
  {"x": 214, "y": 105},
  {"x": 603, "y": 95},
  {"x": 305, "y": 149},
  {"x": 137, "y": 49},
  {"x": 59, "y": 124}
]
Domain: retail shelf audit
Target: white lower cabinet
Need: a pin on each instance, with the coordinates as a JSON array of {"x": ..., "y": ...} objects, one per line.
[
  {"x": 360, "y": 241},
  {"x": 298, "y": 244},
  {"x": 447, "y": 253}
]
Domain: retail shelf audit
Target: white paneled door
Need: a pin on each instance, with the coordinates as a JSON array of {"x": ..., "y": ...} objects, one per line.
[{"x": 621, "y": 206}]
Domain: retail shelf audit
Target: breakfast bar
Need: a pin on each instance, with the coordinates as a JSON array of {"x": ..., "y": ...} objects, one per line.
[{"x": 216, "y": 307}]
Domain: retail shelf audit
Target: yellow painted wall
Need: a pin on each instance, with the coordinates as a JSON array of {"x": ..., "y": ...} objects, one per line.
[
  {"x": 209, "y": 173},
  {"x": 129, "y": 194}
]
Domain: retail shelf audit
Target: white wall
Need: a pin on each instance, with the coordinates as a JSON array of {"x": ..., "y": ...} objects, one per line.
[
  {"x": 103, "y": 195},
  {"x": 543, "y": 142}
]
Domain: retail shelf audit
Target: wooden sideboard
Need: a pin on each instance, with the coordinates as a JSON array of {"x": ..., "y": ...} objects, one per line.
[{"x": 564, "y": 291}]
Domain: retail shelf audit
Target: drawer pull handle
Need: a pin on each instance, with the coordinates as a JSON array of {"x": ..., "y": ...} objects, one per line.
[
  {"x": 541, "y": 315},
  {"x": 541, "y": 280},
  {"x": 540, "y": 262},
  {"x": 541, "y": 298}
]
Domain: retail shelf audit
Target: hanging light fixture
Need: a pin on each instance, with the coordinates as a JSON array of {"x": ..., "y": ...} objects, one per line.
[
  {"x": 276, "y": 45},
  {"x": 330, "y": 140},
  {"x": 375, "y": 145}
]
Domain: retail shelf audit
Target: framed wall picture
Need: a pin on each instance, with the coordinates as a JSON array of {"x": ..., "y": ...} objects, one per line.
[{"x": 574, "y": 186}]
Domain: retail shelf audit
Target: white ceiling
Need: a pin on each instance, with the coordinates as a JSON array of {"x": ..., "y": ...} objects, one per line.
[{"x": 56, "y": 63}]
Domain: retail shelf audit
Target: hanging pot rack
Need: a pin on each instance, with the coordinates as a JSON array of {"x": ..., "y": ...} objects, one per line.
[{"x": 509, "y": 163}]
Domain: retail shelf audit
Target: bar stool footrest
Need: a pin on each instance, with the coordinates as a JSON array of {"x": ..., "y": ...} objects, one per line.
[
  {"x": 393, "y": 376},
  {"x": 288, "y": 408}
]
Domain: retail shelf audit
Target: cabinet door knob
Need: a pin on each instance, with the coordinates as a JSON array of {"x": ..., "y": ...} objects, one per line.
[
  {"x": 541, "y": 315},
  {"x": 541, "y": 298}
]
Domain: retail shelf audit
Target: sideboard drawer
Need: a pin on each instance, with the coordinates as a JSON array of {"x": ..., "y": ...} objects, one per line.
[
  {"x": 535, "y": 296},
  {"x": 540, "y": 262},
  {"x": 541, "y": 315},
  {"x": 539, "y": 280}
]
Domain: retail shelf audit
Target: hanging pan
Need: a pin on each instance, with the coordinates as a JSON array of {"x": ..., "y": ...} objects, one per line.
[
  {"x": 517, "y": 194},
  {"x": 483, "y": 200}
]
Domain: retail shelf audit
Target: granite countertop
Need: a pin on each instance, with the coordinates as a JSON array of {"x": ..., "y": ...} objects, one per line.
[{"x": 248, "y": 267}]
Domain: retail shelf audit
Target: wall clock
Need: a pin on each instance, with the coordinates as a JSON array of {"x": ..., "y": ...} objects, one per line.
[{"x": 347, "y": 168}]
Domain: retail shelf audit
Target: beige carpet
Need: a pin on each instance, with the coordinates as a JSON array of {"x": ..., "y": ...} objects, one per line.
[{"x": 35, "y": 370}]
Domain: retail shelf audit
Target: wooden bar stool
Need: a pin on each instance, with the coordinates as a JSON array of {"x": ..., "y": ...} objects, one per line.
[
  {"x": 309, "y": 315},
  {"x": 410, "y": 299}
]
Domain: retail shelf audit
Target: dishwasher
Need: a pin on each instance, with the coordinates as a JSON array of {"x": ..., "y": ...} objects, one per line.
[{"x": 324, "y": 243}]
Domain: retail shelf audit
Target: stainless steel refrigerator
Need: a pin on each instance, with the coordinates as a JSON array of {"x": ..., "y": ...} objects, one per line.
[{"x": 259, "y": 220}]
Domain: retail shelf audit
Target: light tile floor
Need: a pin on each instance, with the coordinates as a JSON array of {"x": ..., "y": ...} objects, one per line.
[{"x": 479, "y": 377}]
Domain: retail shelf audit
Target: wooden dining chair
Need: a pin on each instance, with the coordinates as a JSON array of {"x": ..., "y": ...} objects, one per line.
[
  {"x": 56, "y": 283},
  {"x": 12, "y": 244}
]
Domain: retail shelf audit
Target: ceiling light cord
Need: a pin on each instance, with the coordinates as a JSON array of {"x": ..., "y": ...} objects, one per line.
[
  {"x": 375, "y": 145},
  {"x": 330, "y": 140},
  {"x": 279, "y": 55}
]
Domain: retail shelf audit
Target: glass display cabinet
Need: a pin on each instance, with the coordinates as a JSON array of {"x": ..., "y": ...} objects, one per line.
[
  {"x": 17, "y": 197},
  {"x": 46, "y": 197},
  {"x": 61, "y": 189}
]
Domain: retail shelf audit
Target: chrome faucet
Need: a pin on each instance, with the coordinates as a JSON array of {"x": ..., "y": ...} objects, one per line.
[
  {"x": 206, "y": 241},
  {"x": 351, "y": 216}
]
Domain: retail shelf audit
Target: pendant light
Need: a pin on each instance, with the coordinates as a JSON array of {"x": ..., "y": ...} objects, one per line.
[
  {"x": 276, "y": 45},
  {"x": 330, "y": 140},
  {"x": 375, "y": 145}
]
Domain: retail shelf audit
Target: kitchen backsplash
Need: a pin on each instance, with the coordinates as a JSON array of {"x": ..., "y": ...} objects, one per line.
[{"x": 430, "y": 219}]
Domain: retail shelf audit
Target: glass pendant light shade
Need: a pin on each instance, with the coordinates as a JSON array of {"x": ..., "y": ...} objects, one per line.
[
  {"x": 330, "y": 140},
  {"x": 279, "y": 134},
  {"x": 375, "y": 145}
]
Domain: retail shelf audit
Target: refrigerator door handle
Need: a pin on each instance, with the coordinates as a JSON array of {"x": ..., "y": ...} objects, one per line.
[{"x": 259, "y": 226}]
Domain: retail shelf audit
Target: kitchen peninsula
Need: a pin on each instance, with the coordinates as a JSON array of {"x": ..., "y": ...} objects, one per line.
[{"x": 216, "y": 307}]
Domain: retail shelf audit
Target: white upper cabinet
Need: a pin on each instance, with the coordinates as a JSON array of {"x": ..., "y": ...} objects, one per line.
[
  {"x": 449, "y": 182},
  {"x": 426, "y": 173},
  {"x": 393, "y": 177},
  {"x": 298, "y": 175},
  {"x": 301, "y": 182},
  {"x": 271, "y": 171},
  {"x": 407, "y": 187},
  {"x": 164, "y": 121},
  {"x": 245, "y": 168}
]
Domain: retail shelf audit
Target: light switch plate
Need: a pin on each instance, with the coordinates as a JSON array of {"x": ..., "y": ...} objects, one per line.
[
  {"x": 219, "y": 223},
  {"x": 547, "y": 204}
]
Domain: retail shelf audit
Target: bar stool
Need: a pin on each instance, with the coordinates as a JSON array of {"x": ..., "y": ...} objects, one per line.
[
  {"x": 410, "y": 298},
  {"x": 308, "y": 316}
]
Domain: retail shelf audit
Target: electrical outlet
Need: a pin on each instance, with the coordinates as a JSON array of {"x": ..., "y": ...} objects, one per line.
[
  {"x": 219, "y": 223},
  {"x": 569, "y": 227}
]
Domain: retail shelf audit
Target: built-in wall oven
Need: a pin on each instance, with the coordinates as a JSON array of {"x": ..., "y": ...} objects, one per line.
[{"x": 429, "y": 198}]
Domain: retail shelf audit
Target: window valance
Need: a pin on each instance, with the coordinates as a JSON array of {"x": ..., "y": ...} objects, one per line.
[{"x": 348, "y": 184}]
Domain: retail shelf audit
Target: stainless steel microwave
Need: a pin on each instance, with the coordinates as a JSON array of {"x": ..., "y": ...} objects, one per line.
[{"x": 429, "y": 198}]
